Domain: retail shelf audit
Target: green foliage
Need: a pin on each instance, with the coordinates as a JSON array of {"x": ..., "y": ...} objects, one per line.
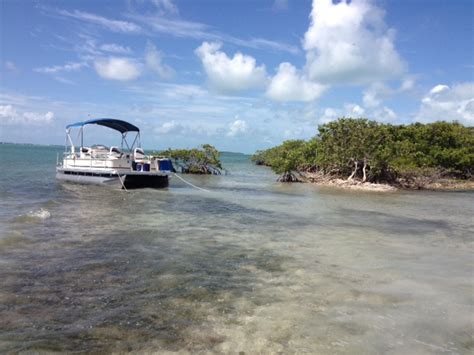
[
  {"x": 380, "y": 152},
  {"x": 202, "y": 160},
  {"x": 349, "y": 141},
  {"x": 289, "y": 156},
  {"x": 448, "y": 147}
]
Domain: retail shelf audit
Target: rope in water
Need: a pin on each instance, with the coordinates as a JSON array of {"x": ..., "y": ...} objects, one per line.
[
  {"x": 187, "y": 182},
  {"x": 121, "y": 181}
]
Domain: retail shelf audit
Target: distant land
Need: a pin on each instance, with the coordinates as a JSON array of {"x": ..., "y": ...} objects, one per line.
[{"x": 147, "y": 149}]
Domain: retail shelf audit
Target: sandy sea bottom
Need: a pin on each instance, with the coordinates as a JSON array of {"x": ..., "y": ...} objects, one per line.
[{"x": 251, "y": 267}]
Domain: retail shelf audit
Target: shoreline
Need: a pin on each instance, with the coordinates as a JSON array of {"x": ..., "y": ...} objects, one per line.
[
  {"x": 356, "y": 185},
  {"x": 353, "y": 185},
  {"x": 451, "y": 185}
]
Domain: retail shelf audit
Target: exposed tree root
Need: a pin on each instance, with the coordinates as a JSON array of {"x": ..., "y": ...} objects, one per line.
[{"x": 290, "y": 177}]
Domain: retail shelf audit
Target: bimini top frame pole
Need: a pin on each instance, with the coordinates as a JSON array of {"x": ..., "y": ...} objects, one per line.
[
  {"x": 122, "y": 126},
  {"x": 69, "y": 139},
  {"x": 135, "y": 143}
]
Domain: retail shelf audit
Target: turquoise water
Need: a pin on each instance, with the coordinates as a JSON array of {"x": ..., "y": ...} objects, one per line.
[{"x": 253, "y": 266}]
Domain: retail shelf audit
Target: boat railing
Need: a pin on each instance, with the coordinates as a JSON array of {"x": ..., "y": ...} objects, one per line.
[
  {"x": 102, "y": 158},
  {"x": 100, "y": 161}
]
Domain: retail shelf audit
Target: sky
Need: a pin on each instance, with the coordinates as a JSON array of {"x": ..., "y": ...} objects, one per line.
[{"x": 240, "y": 75}]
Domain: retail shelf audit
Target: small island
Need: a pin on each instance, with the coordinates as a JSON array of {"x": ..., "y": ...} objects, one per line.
[
  {"x": 368, "y": 155},
  {"x": 202, "y": 160}
]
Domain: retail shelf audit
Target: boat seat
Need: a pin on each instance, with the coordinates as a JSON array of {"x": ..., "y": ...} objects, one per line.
[
  {"x": 138, "y": 154},
  {"x": 115, "y": 151},
  {"x": 85, "y": 151}
]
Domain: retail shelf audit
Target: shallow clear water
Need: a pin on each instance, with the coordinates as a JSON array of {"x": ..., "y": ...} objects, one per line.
[{"x": 253, "y": 266}]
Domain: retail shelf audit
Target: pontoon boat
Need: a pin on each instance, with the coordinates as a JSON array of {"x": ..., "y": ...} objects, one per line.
[{"x": 126, "y": 166}]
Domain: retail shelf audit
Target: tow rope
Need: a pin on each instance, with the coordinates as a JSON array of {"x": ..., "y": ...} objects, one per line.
[
  {"x": 187, "y": 182},
  {"x": 121, "y": 181}
]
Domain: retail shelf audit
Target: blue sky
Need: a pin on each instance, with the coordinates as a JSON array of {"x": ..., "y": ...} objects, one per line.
[{"x": 241, "y": 75}]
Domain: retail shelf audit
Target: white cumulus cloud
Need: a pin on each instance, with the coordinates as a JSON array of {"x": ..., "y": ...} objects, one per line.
[
  {"x": 238, "y": 127},
  {"x": 154, "y": 60},
  {"x": 346, "y": 43},
  {"x": 7, "y": 111},
  {"x": 354, "y": 110},
  {"x": 10, "y": 116},
  {"x": 447, "y": 103},
  {"x": 290, "y": 85},
  {"x": 370, "y": 98},
  {"x": 384, "y": 114},
  {"x": 349, "y": 43},
  {"x": 407, "y": 84},
  {"x": 438, "y": 89},
  {"x": 188, "y": 130},
  {"x": 348, "y": 110},
  {"x": 374, "y": 95},
  {"x": 117, "y": 68},
  {"x": 227, "y": 74},
  {"x": 169, "y": 127},
  {"x": 329, "y": 114}
]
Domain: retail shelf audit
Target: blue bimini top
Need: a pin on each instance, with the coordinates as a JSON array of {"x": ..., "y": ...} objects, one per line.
[{"x": 118, "y": 125}]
